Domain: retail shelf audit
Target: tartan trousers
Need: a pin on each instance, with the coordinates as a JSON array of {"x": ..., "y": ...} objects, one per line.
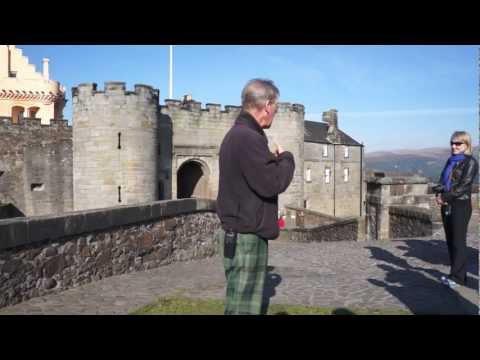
[{"x": 245, "y": 274}]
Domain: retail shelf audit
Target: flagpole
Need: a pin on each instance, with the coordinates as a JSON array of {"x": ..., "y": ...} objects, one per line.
[{"x": 170, "y": 93}]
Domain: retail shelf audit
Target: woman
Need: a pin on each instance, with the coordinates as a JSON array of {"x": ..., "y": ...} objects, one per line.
[{"x": 456, "y": 206}]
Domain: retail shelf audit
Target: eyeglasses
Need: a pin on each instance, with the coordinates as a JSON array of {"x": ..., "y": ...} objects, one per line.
[{"x": 456, "y": 143}]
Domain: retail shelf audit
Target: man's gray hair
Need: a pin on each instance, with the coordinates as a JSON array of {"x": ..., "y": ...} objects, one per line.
[{"x": 257, "y": 92}]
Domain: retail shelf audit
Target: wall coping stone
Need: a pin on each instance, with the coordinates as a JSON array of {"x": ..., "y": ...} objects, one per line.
[
  {"x": 309, "y": 211},
  {"x": 342, "y": 222},
  {"x": 22, "y": 231},
  {"x": 411, "y": 211},
  {"x": 398, "y": 180}
]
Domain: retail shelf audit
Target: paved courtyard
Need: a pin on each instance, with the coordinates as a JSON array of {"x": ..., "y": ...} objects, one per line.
[{"x": 399, "y": 274}]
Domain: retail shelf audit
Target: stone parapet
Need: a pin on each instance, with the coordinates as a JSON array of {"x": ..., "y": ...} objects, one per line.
[
  {"x": 409, "y": 221},
  {"x": 343, "y": 230},
  {"x": 41, "y": 255}
]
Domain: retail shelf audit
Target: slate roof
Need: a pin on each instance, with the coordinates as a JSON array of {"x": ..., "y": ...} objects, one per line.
[{"x": 316, "y": 132}]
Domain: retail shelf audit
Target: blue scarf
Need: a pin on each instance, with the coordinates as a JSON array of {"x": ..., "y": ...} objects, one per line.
[{"x": 447, "y": 171}]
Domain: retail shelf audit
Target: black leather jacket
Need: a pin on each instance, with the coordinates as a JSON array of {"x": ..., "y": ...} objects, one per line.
[{"x": 463, "y": 175}]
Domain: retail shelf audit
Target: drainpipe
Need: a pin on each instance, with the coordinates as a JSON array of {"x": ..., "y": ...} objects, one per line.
[
  {"x": 334, "y": 179},
  {"x": 361, "y": 179}
]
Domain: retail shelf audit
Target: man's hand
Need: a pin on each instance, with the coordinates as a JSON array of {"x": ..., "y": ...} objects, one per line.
[{"x": 278, "y": 148}]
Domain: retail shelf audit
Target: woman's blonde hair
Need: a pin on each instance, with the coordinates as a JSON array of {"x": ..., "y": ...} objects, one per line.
[{"x": 464, "y": 137}]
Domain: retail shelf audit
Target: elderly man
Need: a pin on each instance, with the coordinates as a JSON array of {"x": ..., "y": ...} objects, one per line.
[{"x": 251, "y": 177}]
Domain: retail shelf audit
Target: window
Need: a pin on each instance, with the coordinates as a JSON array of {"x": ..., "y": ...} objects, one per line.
[
  {"x": 17, "y": 114},
  {"x": 325, "y": 150},
  {"x": 305, "y": 204},
  {"x": 37, "y": 187},
  {"x": 327, "y": 175},
  {"x": 345, "y": 150},
  {"x": 345, "y": 174},
  {"x": 308, "y": 175},
  {"x": 32, "y": 112}
]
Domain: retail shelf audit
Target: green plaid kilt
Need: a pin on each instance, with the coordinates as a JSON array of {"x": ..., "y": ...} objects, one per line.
[{"x": 245, "y": 274}]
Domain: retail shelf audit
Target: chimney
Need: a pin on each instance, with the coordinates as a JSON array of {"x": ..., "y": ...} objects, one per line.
[
  {"x": 331, "y": 118},
  {"x": 46, "y": 74}
]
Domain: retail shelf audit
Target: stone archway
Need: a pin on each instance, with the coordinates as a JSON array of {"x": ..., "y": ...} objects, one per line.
[{"x": 192, "y": 180}]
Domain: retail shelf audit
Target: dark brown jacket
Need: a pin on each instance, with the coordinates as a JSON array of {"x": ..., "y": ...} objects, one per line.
[{"x": 251, "y": 178}]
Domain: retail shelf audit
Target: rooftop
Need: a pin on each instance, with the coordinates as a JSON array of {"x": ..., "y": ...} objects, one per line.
[{"x": 316, "y": 132}]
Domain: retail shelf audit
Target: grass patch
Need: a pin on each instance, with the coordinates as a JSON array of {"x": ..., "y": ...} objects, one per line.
[{"x": 179, "y": 305}]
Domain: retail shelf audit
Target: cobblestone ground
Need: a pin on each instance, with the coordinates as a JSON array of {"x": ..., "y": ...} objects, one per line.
[{"x": 399, "y": 274}]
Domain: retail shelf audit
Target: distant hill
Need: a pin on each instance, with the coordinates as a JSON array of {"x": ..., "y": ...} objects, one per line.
[{"x": 425, "y": 162}]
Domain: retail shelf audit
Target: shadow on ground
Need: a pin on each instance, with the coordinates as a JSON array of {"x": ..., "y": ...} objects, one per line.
[
  {"x": 419, "y": 292},
  {"x": 435, "y": 252}
]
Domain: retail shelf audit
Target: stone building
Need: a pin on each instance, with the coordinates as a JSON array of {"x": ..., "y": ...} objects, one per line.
[
  {"x": 196, "y": 139},
  {"x": 116, "y": 145},
  {"x": 35, "y": 143},
  {"x": 398, "y": 207},
  {"x": 26, "y": 93},
  {"x": 134, "y": 150},
  {"x": 125, "y": 148},
  {"x": 36, "y": 166},
  {"x": 334, "y": 169}
]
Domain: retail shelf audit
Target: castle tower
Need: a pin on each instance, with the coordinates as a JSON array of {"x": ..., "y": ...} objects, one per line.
[
  {"x": 26, "y": 93},
  {"x": 288, "y": 131},
  {"x": 198, "y": 133},
  {"x": 115, "y": 142},
  {"x": 196, "y": 138}
]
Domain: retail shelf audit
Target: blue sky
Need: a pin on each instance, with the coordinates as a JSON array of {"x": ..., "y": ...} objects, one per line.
[{"x": 388, "y": 97}]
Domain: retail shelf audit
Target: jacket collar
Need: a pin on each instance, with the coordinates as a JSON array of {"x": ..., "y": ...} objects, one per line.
[{"x": 246, "y": 119}]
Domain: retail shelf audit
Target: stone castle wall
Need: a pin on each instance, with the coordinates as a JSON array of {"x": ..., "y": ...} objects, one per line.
[
  {"x": 400, "y": 207},
  {"x": 116, "y": 145},
  {"x": 288, "y": 130},
  {"x": 36, "y": 166},
  {"x": 343, "y": 230},
  {"x": 198, "y": 134},
  {"x": 128, "y": 149},
  {"x": 409, "y": 221},
  {"x": 43, "y": 255}
]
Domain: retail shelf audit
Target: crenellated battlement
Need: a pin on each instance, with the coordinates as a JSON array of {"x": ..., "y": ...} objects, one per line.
[
  {"x": 192, "y": 106},
  {"x": 195, "y": 106},
  {"x": 6, "y": 121},
  {"x": 115, "y": 88},
  {"x": 298, "y": 108},
  {"x": 84, "y": 89}
]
